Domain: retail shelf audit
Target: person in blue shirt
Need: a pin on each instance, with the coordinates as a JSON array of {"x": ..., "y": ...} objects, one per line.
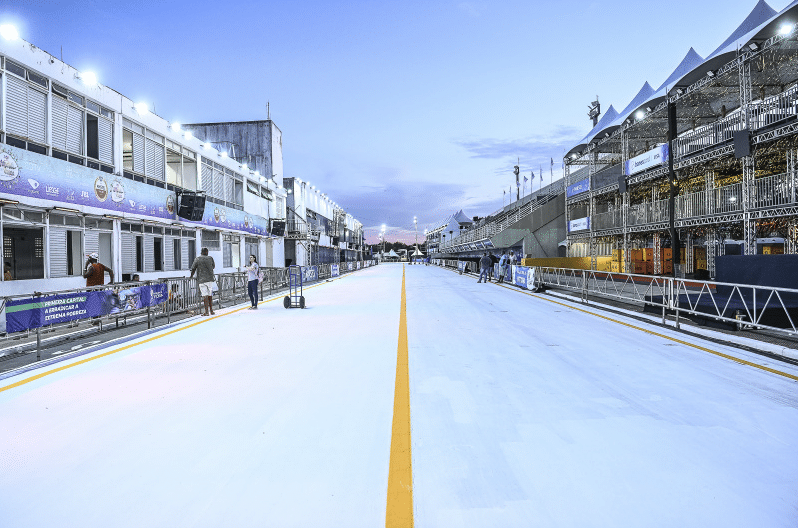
[{"x": 504, "y": 266}]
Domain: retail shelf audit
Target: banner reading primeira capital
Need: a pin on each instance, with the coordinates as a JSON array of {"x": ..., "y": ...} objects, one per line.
[{"x": 35, "y": 312}]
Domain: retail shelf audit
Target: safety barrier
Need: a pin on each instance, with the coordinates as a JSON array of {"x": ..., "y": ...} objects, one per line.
[
  {"x": 111, "y": 306},
  {"x": 744, "y": 306}
]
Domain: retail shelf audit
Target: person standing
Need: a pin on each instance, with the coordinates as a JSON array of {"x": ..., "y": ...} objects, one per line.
[
  {"x": 503, "y": 265},
  {"x": 204, "y": 266},
  {"x": 94, "y": 272},
  {"x": 252, "y": 281},
  {"x": 7, "y": 276},
  {"x": 484, "y": 265}
]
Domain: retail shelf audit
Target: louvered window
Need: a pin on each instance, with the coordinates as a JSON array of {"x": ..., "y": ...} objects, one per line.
[
  {"x": 154, "y": 163},
  {"x": 128, "y": 253},
  {"x": 105, "y": 135},
  {"x": 218, "y": 184},
  {"x": 206, "y": 182},
  {"x": 26, "y": 110}
]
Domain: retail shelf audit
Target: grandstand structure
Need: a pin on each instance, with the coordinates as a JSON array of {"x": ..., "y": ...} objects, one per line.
[{"x": 707, "y": 158}]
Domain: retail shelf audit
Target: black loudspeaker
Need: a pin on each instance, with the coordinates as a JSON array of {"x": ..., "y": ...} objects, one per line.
[
  {"x": 191, "y": 206},
  {"x": 278, "y": 228},
  {"x": 742, "y": 143},
  {"x": 622, "y": 184},
  {"x": 335, "y": 241}
]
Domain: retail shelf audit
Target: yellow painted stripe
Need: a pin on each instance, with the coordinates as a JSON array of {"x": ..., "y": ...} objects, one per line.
[
  {"x": 399, "y": 511},
  {"x": 126, "y": 347},
  {"x": 685, "y": 343}
]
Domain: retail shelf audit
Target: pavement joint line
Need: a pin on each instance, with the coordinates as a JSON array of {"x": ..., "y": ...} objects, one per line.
[
  {"x": 399, "y": 505},
  {"x": 126, "y": 347}
]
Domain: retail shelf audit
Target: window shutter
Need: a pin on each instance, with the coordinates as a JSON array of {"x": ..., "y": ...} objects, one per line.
[
  {"x": 218, "y": 184},
  {"x": 74, "y": 140},
  {"x": 149, "y": 253},
  {"x": 206, "y": 182},
  {"x": 93, "y": 242},
  {"x": 184, "y": 253},
  {"x": 58, "y": 252},
  {"x": 128, "y": 253},
  {"x": 169, "y": 253},
  {"x": 16, "y": 106},
  {"x": 59, "y": 123},
  {"x": 37, "y": 116},
  {"x": 138, "y": 153},
  {"x": 106, "y": 140},
  {"x": 154, "y": 161}
]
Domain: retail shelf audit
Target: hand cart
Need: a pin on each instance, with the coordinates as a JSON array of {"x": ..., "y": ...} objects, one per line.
[{"x": 294, "y": 299}]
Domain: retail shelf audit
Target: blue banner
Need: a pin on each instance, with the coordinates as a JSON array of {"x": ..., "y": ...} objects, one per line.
[
  {"x": 462, "y": 265},
  {"x": 334, "y": 271},
  {"x": 35, "y": 312},
  {"x": 32, "y": 175},
  {"x": 310, "y": 273},
  {"x": 524, "y": 277},
  {"x": 578, "y": 188}
]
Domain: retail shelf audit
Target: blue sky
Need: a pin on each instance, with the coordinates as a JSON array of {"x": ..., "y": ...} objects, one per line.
[{"x": 395, "y": 109}]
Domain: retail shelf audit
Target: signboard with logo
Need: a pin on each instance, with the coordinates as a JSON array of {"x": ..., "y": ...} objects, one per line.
[
  {"x": 578, "y": 188},
  {"x": 310, "y": 273},
  {"x": 334, "y": 271},
  {"x": 524, "y": 277},
  {"x": 31, "y": 175},
  {"x": 580, "y": 224},
  {"x": 35, "y": 312},
  {"x": 653, "y": 158}
]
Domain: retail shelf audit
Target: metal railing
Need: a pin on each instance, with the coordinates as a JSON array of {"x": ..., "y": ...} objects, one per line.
[
  {"x": 774, "y": 191},
  {"x": 726, "y": 199},
  {"x": 609, "y": 220},
  {"x": 505, "y": 220},
  {"x": 183, "y": 298},
  {"x": 648, "y": 213},
  {"x": 774, "y": 109},
  {"x": 710, "y": 135}
]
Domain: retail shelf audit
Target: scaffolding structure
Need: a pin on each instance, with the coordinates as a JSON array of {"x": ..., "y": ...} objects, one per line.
[{"x": 735, "y": 159}]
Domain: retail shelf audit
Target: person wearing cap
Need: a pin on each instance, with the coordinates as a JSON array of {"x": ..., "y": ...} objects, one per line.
[{"x": 94, "y": 272}]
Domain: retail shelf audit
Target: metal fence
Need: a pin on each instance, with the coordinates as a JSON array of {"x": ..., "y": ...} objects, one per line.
[
  {"x": 183, "y": 299},
  {"x": 744, "y": 306}
]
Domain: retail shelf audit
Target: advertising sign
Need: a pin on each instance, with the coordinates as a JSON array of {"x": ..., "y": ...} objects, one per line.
[
  {"x": 524, "y": 277},
  {"x": 578, "y": 188},
  {"x": 32, "y": 175},
  {"x": 35, "y": 312},
  {"x": 358, "y": 264},
  {"x": 580, "y": 224},
  {"x": 334, "y": 271},
  {"x": 310, "y": 273},
  {"x": 349, "y": 266},
  {"x": 652, "y": 158}
]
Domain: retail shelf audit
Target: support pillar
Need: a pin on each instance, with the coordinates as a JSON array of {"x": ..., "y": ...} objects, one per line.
[
  {"x": 689, "y": 257},
  {"x": 749, "y": 225},
  {"x": 791, "y": 244},
  {"x": 712, "y": 247},
  {"x": 657, "y": 253}
]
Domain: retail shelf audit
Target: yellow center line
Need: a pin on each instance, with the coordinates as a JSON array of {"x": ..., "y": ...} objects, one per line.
[
  {"x": 399, "y": 510},
  {"x": 126, "y": 347},
  {"x": 699, "y": 347}
]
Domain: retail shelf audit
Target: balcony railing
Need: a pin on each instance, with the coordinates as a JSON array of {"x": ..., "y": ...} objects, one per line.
[
  {"x": 774, "y": 191},
  {"x": 648, "y": 213},
  {"x": 727, "y": 199},
  {"x": 609, "y": 220},
  {"x": 774, "y": 109},
  {"x": 709, "y": 135}
]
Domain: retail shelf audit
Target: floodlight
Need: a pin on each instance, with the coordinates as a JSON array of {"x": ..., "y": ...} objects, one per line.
[
  {"x": 679, "y": 91},
  {"x": 207, "y": 145},
  {"x": 786, "y": 29},
  {"x": 640, "y": 114},
  {"x": 141, "y": 108},
  {"x": 257, "y": 173},
  {"x": 733, "y": 199},
  {"x": 753, "y": 46},
  {"x": 9, "y": 32},
  {"x": 88, "y": 78},
  {"x": 175, "y": 126},
  {"x": 648, "y": 109},
  {"x": 710, "y": 73},
  {"x": 244, "y": 166},
  {"x": 188, "y": 134},
  {"x": 223, "y": 154}
]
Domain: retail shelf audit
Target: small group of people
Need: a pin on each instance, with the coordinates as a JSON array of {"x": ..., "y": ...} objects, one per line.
[
  {"x": 486, "y": 266},
  {"x": 204, "y": 266}
]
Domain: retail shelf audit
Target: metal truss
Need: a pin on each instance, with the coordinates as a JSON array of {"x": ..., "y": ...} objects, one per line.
[
  {"x": 578, "y": 198},
  {"x": 648, "y": 175},
  {"x": 606, "y": 189},
  {"x": 774, "y": 212},
  {"x": 704, "y": 156},
  {"x": 713, "y": 219},
  {"x": 770, "y": 135},
  {"x": 609, "y": 232},
  {"x": 660, "y": 226}
]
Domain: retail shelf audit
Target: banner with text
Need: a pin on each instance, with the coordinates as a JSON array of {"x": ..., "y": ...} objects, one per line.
[
  {"x": 580, "y": 224},
  {"x": 35, "y": 312},
  {"x": 578, "y": 188},
  {"x": 654, "y": 157},
  {"x": 334, "y": 271}
]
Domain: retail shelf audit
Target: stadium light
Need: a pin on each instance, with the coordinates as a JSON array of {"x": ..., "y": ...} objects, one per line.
[
  {"x": 141, "y": 108},
  {"x": 223, "y": 154},
  {"x": 88, "y": 78},
  {"x": 753, "y": 46},
  {"x": 710, "y": 74},
  {"x": 786, "y": 29},
  {"x": 207, "y": 145},
  {"x": 640, "y": 114},
  {"x": 188, "y": 134},
  {"x": 9, "y": 32},
  {"x": 244, "y": 166}
]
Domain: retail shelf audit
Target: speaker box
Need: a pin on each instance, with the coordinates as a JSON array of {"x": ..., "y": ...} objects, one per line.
[
  {"x": 622, "y": 184},
  {"x": 191, "y": 206},
  {"x": 742, "y": 143},
  {"x": 278, "y": 228}
]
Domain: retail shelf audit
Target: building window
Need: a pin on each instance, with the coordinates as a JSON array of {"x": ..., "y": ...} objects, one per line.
[
  {"x": 158, "y": 253},
  {"x": 23, "y": 251},
  {"x": 192, "y": 251},
  {"x": 231, "y": 252},
  {"x": 210, "y": 240},
  {"x": 139, "y": 253}
]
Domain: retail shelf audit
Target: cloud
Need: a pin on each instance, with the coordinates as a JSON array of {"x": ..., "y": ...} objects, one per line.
[{"x": 542, "y": 146}]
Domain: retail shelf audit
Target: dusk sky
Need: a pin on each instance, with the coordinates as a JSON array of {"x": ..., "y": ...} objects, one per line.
[{"x": 395, "y": 109}]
